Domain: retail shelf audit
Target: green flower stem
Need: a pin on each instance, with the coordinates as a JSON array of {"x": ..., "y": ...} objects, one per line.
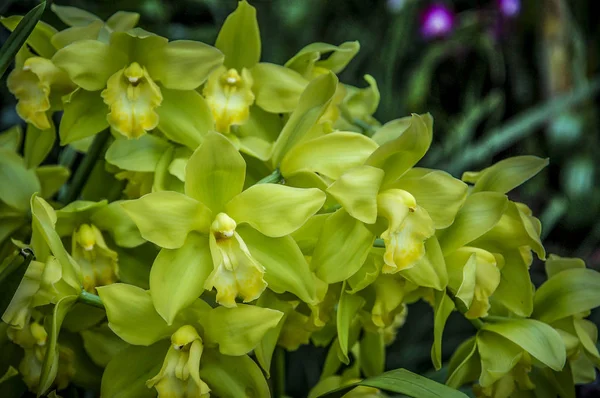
[
  {"x": 478, "y": 323},
  {"x": 90, "y": 299},
  {"x": 279, "y": 373},
  {"x": 274, "y": 178},
  {"x": 85, "y": 168}
]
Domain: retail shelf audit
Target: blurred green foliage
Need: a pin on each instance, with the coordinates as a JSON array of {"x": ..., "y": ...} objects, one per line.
[{"x": 497, "y": 86}]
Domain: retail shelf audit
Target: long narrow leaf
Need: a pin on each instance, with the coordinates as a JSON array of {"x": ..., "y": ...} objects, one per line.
[
  {"x": 19, "y": 36},
  {"x": 402, "y": 381}
]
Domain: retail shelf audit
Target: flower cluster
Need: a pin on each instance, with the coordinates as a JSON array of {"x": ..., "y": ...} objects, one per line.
[{"x": 258, "y": 206}]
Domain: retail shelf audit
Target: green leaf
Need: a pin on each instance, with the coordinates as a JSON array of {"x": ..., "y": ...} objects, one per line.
[
  {"x": 277, "y": 89},
  {"x": 357, "y": 190},
  {"x": 505, "y": 175},
  {"x": 312, "y": 105},
  {"x": 184, "y": 117},
  {"x": 479, "y": 214},
  {"x": 18, "y": 182},
  {"x": 239, "y": 329},
  {"x": 177, "y": 276},
  {"x": 573, "y": 292},
  {"x": 215, "y": 172},
  {"x": 232, "y": 376},
  {"x": 165, "y": 218},
  {"x": 131, "y": 314},
  {"x": 140, "y": 154},
  {"x": 184, "y": 64},
  {"x": 73, "y": 16},
  {"x": 239, "y": 38},
  {"x": 342, "y": 247},
  {"x": 330, "y": 155},
  {"x": 348, "y": 307},
  {"x": 50, "y": 364},
  {"x": 38, "y": 144},
  {"x": 29, "y": 30},
  {"x": 89, "y": 63},
  {"x": 275, "y": 210},
  {"x": 398, "y": 156},
  {"x": 402, "y": 381},
  {"x": 539, "y": 339},
  {"x": 436, "y": 191},
  {"x": 286, "y": 269},
  {"x": 126, "y": 374},
  {"x": 84, "y": 115},
  {"x": 441, "y": 311}
]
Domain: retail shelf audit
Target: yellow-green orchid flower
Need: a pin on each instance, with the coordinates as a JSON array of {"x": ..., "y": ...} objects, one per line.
[
  {"x": 120, "y": 79},
  {"x": 206, "y": 344},
  {"x": 215, "y": 235}
]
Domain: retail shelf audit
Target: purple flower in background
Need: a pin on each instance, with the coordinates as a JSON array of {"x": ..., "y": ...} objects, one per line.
[
  {"x": 437, "y": 20},
  {"x": 509, "y": 8}
]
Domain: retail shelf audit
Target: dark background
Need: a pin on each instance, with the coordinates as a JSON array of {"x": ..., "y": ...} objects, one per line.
[{"x": 497, "y": 86}]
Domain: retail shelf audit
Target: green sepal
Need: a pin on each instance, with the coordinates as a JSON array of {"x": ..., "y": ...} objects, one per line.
[
  {"x": 505, "y": 175},
  {"x": 464, "y": 366},
  {"x": 126, "y": 374},
  {"x": 239, "y": 38},
  {"x": 441, "y": 311},
  {"x": 313, "y": 103},
  {"x": 114, "y": 219},
  {"x": 309, "y": 57},
  {"x": 277, "y": 89},
  {"x": 84, "y": 115},
  {"x": 51, "y": 178},
  {"x": 372, "y": 353},
  {"x": 140, "y": 154},
  {"x": 18, "y": 182},
  {"x": 39, "y": 39},
  {"x": 50, "y": 364},
  {"x": 238, "y": 330},
  {"x": 178, "y": 275},
  {"x": 38, "y": 144},
  {"x": 348, "y": 307},
  {"x": 342, "y": 247}
]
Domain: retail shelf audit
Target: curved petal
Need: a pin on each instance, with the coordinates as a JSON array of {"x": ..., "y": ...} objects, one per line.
[
  {"x": 177, "y": 276},
  {"x": 141, "y": 154},
  {"x": 275, "y": 210},
  {"x": 84, "y": 115},
  {"x": 286, "y": 269},
  {"x": 277, "y": 88},
  {"x": 356, "y": 190},
  {"x": 165, "y": 218},
  {"x": 238, "y": 330},
  {"x": 437, "y": 192},
  {"x": 330, "y": 155},
  {"x": 184, "y": 64},
  {"x": 239, "y": 38},
  {"x": 215, "y": 172},
  {"x": 89, "y": 63},
  {"x": 505, "y": 175}
]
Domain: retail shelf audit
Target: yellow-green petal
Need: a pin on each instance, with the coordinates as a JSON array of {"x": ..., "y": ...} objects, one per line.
[
  {"x": 392, "y": 130},
  {"x": 123, "y": 20},
  {"x": 238, "y": 330},
  {"x": 239, "y": 38},
  {"x": 436, "y": 191},
  {"x": 441, "y": 311},
  {"x": 556, "y": 264},
  {"x": 73, "y": 16},
  {"x": 356, "y": 190},
  {"x": 277, "y": 88},
  {"x": 515, "y": 291},
  {"x": 464, "y": 365},
  {"x": 308, "y": 61},
  {"x": 84, "y": 115},
  {"x": 177, "y": 276},
  {"x": 286, "y": 269},
  {"x": 184, "y": 64},
  {"x": 275, "y": 210},
  {"x": 396, "y": 157},
  {"x": 141, "y": 154},
  {"x": 89, "y": 63},
  {"x": 39, "y": 39},
  {"x": 539, "y": 339},
  {"x": 498, "y": 356},
  {"x": 215, "y": 172},
  {"x": 330, "y": 155},
  {"x": 342, "y": 247},
  {"x": 348, "y": 307},
  {"x": 18, "y": 182},
  {"x": 131, "y": 314},
  {"x": 165, "y": 218},
  {"x": 116, "y": 221},
  {"x": 507, "y": 174},
  {"x": 479, "y": 214},
  {"x": 38, "y": 144},
  {"x": 313, "y": 103}
]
